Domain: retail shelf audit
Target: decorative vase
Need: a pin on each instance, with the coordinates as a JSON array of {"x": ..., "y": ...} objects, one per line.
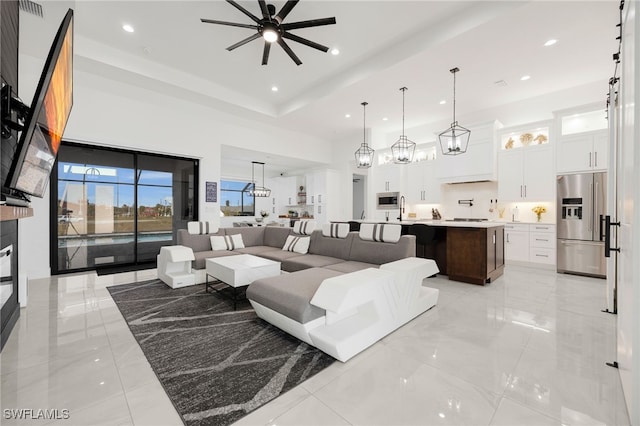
[
  {"x": 539, "y": 216},
  {"x": 259, "y": 219}
]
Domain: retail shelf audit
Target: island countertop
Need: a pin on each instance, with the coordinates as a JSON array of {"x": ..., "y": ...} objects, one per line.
[{"x": 444, "y": 223}]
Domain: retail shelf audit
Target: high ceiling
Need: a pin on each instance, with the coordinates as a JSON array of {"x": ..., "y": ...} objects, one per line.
[{"x": 383, "y": 45}]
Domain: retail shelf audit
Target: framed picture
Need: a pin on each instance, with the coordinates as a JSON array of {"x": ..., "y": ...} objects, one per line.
[{"x": 211, "y": 192}]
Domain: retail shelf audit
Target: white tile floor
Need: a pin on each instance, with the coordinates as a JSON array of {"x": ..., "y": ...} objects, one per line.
[{"x": 529, "y": 349}]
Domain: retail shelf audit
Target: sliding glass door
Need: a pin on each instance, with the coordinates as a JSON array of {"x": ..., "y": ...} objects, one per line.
[{"x": 113, "y": 207}]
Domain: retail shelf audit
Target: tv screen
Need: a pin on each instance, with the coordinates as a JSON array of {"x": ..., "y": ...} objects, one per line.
[{"x": 47, "y": 117}]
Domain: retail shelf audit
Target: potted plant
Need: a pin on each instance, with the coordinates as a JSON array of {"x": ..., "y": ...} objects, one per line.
[{"x": 263, "y": 214}]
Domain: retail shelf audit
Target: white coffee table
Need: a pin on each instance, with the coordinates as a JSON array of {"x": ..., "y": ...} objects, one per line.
[{"x": 239, "y": 271}]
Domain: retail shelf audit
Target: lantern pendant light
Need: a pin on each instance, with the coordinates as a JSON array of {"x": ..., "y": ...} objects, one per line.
[
  {"x": 402, "y": 151},
  {"x": 258, "y": 191},
  {"x": 364, "y": 154},
  {"x": 455, "y": 139}
]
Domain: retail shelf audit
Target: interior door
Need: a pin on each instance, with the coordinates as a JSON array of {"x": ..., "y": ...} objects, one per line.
[{"x": 628, "y": 196}]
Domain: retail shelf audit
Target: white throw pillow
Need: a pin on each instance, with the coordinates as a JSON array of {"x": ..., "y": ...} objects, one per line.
[
  {"x": 297, "y": 244},
  {"x": 304, "y": 227},
  {"x": 201, "y": 228},
  {"x": 335, "y": 230},
  {"x": 381, "y": 232},
  {"x": 227, "y": 242}
]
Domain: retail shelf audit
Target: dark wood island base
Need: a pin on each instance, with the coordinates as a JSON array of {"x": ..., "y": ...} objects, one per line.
[{"x": 475, "y": 255}]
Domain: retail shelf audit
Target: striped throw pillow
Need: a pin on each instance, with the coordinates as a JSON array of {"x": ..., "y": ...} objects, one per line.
[
  {"x": 297, "y": 244},
  {"x": 227, "y": 242},
  {"x": 201, "y": 228}
]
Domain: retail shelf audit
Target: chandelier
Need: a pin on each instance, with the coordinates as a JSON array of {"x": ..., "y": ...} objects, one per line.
[
  {"x": 364, "y": 154},
  {"x": 258, "y": 191},
  {"x": 402, "y": 151},
  {"x": 455, "y": 139}
]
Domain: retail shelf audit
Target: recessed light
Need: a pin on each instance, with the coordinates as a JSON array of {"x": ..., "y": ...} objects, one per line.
[
  {"x": 442, "y": 102},
  {"x": 384, "y": 118},
  {"x": 525, "y": 77},
  {"x": 347, "y": 116},
  {"x": 128, "y": 28},
  {"x": 551, "y": 42},
  {"x": 274, "y": 88},
  {"x": 335, "y": 51}
]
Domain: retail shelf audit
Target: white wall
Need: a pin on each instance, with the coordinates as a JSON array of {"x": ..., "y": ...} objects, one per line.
[{"x": 111, "y": 113}]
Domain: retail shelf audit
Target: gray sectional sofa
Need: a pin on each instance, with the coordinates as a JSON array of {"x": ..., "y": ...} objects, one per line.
[
  {"x": 342, "y": 255},
  {"x": 343, "y": 295}
]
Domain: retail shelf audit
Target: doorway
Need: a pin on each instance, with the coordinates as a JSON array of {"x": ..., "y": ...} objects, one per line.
[{"x": 359, "y": 182}]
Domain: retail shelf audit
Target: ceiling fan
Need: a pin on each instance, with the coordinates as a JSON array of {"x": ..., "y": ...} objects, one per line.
[{"x": 271, "y": 28}]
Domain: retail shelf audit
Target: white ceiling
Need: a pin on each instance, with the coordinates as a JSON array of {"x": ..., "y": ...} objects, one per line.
[{"x": 384, "y": 45}]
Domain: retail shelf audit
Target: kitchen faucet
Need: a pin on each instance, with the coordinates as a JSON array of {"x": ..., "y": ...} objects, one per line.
[{"x": 401, "y": 208}]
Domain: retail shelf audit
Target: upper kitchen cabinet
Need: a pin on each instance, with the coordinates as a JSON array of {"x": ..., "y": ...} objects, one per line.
[
  {"x": 524, "y": 172},
  {"x": 388, "y": 177},
  {"x": 583, "y": 140},
  {"x": 479, "y": 163},
  {"x": 583, "y": 152},
  {"x": 422, "y": 186}
]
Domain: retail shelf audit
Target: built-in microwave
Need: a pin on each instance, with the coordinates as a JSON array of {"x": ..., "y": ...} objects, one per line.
[{"x": 387, "y": 200}]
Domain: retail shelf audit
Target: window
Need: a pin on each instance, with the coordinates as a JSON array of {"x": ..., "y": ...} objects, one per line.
[
  {"x": 114, "y": 207},
  {"x": 235, "y": 199}
]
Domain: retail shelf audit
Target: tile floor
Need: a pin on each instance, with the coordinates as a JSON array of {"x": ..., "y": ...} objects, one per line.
[{"x": 529, "y": 349}]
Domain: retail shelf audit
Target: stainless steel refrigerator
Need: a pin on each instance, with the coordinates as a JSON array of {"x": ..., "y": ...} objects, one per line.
[{"x": 582, "y": 200}]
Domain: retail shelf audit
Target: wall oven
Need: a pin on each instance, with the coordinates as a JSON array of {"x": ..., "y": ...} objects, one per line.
[{"x": 387, "y": 200}]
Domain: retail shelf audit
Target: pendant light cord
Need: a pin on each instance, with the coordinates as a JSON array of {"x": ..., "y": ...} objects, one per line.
[
  {"x": 364, "y": 122},
  {"x": 454, "y": 96},
  {"x": 403, "y": 90}
]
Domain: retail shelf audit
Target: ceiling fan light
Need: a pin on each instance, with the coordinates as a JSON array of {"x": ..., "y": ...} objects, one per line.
[{"x": 270, "y": 35}]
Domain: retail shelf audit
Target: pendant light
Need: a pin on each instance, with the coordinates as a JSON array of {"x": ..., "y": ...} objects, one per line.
[
  {"x": 364, "y": 154},
  {"x": 258, "y": 191},
  {"x": 403, "y": 149},
  {"x": 455, "y": 139}
]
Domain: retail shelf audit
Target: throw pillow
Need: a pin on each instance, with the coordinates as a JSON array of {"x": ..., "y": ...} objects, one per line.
[
  {"x": 335, "y": 230},
  {"x": 227, "y": 242},
  {"x": 297, "y": 244},
  {"x": 381, "y": 232},
  {"x": 304, "y": 227},
  {"x": 201, "y": 228}
]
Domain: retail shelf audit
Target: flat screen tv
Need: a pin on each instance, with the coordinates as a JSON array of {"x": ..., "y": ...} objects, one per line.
[{"x": 47, "y": 118}]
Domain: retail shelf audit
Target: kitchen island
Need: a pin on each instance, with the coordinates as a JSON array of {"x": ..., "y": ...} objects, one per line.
[{"x": 471, "y": 252}]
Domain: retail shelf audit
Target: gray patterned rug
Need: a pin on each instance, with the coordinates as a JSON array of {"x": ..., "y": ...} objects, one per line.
[{"x": 216, "y": 364}]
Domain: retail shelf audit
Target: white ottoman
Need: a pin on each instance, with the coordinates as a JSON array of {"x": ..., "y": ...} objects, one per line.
[{"x": 174, "y": 266}]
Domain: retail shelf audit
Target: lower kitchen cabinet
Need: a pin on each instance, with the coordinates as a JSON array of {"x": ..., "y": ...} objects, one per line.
[
  {"x": 475, "y": 255},
  {"x": 532, "y": 244}
]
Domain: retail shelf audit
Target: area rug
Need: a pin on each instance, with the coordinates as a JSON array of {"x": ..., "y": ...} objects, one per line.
[{"x": 216, "y": 364}]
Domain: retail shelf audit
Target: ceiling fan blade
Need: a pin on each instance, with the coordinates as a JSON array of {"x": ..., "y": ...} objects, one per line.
[
  {"x": 231, "y": 24},
  {"x": 305, "y": 42},
  {"x": 309, "y": 23},
  {"x": 243, "y": 42},
  {"x": 245, "y": 11},
  {"x": 265, "y": 53},
  {"x": 265, "y": 11},
  {"x": 285, "y": 10},
  {"x": 287, "y": 49}
]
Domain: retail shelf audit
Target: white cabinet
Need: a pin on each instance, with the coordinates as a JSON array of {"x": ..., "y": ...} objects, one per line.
[
  {"x": 516, "y": 242},
  {"x": 283, "y": 193},
  {"x": 478, "y": 163},
  {"x": 530, "y": 243},
  {"x": 583, "y": 152},
  {"x": 388, "y": 178},
  {"x": 319, "y": 184},
  {"x": 524, "y": 174},
  {"x": 422, "y": 186},
  {"x": 542, "y": 244}
]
